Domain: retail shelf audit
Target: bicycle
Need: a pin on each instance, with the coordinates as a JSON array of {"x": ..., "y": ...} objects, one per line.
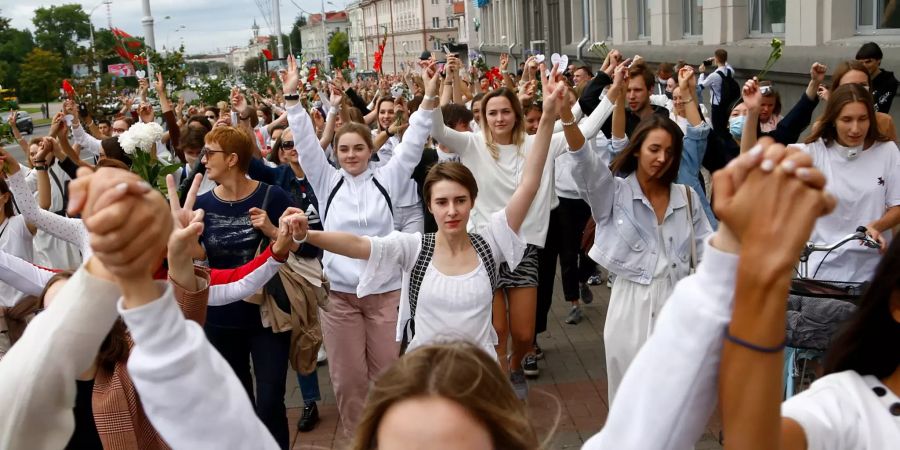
[{"x": 816, "y": 310}]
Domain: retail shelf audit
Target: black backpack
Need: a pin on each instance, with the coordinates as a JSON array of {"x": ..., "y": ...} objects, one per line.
[{"x": 731, "y": 90}]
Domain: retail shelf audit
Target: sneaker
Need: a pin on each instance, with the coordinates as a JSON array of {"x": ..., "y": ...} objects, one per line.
[
  {"x": 538, "y": 352},
  {"x": 574, "y": 316},
  {"x": 587, "y": 296},
  {"x": 610, "y": 280},
  {"x": 321, "y": 357},
  {"x": 519, "y": 384},
  {"x": 595, "y": 280},
  {"x": 309, "y": 419},
  {"x": 530, "y": 366}
]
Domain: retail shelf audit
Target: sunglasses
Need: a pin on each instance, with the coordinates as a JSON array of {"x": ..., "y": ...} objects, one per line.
[
  {"x": 209, "y": 151},
  {"x": 287, "y": 145}
]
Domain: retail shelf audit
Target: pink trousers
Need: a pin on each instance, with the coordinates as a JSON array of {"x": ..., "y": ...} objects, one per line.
[{"x": 360, "y": 337}]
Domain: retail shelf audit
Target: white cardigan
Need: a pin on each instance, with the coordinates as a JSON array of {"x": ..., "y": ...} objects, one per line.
[{"x": 498, "y": 179}]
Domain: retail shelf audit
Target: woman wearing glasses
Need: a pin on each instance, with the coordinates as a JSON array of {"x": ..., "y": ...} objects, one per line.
[{"x": 236, "y": 222}]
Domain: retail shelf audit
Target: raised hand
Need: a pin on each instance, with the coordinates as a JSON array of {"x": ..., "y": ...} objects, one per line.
[
  {"x": 145, "y": 112},
  {"x": 504, "y": 62},
  {"x": 290, "y": 78},
  {"x": 11, "y": 120},
  {"x": 751, "y": 94},
  {"x": 817, "y": 72},
  {"x": 686, "y": 80},
  {"x": 284, "y": 241},
  {"x": 299, "y": 225},
  {"x": 238, "y": 102},
  {"x": 187, "y": 222},
  {"x": 337, "y": 96},
  {"x": 8, "y": 162},
  {"x": 143, "y": 87},
  {"x": 432, "y": 79}
]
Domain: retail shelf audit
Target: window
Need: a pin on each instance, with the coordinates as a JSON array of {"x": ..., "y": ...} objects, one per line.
[
  {"x": 643, "y": 18},
  {"x": 609, "y": 19},
  {"x": 872, "y": 15},
  {"x": 692, "y": 19},
  {"x": 435, "y": 22},
  {"x": 766, "y": 17}
]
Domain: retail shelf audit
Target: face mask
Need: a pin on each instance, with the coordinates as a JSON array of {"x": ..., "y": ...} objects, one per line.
[{"x": 736, "y": 126}]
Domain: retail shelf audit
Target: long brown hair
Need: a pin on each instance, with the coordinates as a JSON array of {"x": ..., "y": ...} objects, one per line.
[
  {"x": 626, "y": 162},
  {"x": 8, "y": 209},
  {"x": 115, "y": 347},
  {"x": 845, "y": 67},
  {"x": 519, "y": 127},
  {"x": 459, "y": 372},
  {"x": 842, "y": 96}
]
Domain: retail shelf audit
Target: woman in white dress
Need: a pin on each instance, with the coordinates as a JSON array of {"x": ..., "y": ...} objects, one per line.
[
  {"x": 863, "y": 170},
  {"x": 451, "y": 296},
  {"x": 658, "y": 226}
]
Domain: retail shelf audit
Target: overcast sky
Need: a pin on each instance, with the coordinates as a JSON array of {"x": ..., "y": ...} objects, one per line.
[{"x": 210, "y": 25}]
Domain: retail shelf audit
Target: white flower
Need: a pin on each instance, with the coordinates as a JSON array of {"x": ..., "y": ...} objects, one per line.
[{"x": 140, "y": 136}]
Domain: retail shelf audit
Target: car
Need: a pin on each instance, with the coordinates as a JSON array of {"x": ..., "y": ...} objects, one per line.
[{"x": 24, "y": 123}]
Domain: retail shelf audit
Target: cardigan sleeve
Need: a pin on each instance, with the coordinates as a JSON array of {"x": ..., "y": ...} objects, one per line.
[
  {"x": 66, "y": 228},
  {"x": 193, "y": 303},
  {"x": 22, "y": 275},
  {"x": 680, "y": 361},
  {"x": 187, "y": 389}
]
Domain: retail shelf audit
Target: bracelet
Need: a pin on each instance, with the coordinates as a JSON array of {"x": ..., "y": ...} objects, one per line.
[
  {"x": 292, "y": 96},
  {"x": 754, "y": 347},
  {"x": 39, "y": 161},
  {"x": 388, "y": 132},
  {"x": 301, "y": 241},
  {"x": 429, "y": 98},
  {"x": 568, "y": 124},
  {"x": 40, "y": 167},
  {"x": 685, "y": 102},
  {"x": 278, "y": 257}
]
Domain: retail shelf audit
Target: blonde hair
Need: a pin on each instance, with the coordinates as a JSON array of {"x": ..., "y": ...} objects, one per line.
[
  {"x": 518, "y": 129},
  {"x": 459, "y": 372}
]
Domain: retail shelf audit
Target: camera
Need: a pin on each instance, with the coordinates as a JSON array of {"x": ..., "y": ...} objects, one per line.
[
  {"x": 765, "y": 90},
  {"x": 709, "y": 61}
]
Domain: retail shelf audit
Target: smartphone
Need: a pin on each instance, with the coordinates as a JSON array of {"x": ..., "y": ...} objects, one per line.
[
  {"x": 709, "y": 61},
  {"x": 440, "y": 66},
  {"x": 82, "y": 110},
  {"x": 765, "y": 87},
  {"x": 446, "y": 49}
]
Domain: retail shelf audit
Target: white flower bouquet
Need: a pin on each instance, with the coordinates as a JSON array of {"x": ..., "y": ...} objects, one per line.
[{"x": 139, "y": 143}]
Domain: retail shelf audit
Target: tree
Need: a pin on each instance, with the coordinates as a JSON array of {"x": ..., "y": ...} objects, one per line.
[
  {"x": 212, "y": 89},
  {"x": 296, "y": 42},
  {"x": 41, "y": 74},
  {"x": 172, "y": 67},
  {"x": 339, "y": 48},
  {"x": 59, "y": 28},
  {"x": 252, "y": 65},
  {"x": 14, "y": 45},
  {"x": 273, "y": 45}
]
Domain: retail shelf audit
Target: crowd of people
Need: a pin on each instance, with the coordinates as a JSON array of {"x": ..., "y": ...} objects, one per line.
[{"x": 410, "y": 227}]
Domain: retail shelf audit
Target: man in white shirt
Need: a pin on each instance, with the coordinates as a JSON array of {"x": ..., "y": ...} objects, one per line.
[{"x": 714, "y": 82}]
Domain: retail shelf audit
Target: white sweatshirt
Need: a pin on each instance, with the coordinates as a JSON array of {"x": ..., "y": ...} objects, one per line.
[
  {"x": 498, "y": 178},
  {"x": 358, "y": 207}
]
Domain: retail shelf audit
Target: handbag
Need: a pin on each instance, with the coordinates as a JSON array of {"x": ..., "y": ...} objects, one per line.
[{"x": 690, "y": 204}]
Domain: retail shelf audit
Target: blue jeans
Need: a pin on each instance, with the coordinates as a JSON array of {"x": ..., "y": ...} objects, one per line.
[{"x": 309, "y": 387}]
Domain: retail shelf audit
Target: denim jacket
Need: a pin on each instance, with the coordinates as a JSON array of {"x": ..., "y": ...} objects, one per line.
[{"x": 626, "y": 240}]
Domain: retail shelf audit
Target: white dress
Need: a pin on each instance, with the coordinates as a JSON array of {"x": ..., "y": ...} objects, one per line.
[
  {"x": 865, "y": 188},
  {"x": 448, "y": 307},
  {"x": 633, "y": 309},
  {"x": 846, "y": 411},
  {"x": 16, "y": 240}
]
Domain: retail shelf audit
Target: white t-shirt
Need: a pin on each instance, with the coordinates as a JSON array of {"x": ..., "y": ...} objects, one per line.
[
  {"x": 842, "y": 411},
  {"x": 15, "y": 239},
  {"x": 865, "y": 188},
  {"x": 448, "y": 307}
]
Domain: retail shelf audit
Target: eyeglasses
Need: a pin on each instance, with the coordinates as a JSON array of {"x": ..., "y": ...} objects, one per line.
[
  {"x": 211, "y": 117},
  {"x": 287, "y": 145},
  {"x": 208, "y": 151}
]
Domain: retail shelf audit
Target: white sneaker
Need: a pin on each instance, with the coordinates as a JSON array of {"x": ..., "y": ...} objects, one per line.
[{"x": 322, "y": 357}]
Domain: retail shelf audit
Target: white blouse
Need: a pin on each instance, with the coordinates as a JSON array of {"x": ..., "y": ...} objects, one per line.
[
  {"x": 448, "y": 307},
  {"x": 15, "y": 239},
  {"x": 844, "y": 411}
]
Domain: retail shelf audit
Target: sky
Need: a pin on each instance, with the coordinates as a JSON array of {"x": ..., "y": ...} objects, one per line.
[{"x": 209, "y": 25}]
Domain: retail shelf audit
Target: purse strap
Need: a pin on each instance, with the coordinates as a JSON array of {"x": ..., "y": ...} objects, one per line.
[{"x": 690, "y": 204}]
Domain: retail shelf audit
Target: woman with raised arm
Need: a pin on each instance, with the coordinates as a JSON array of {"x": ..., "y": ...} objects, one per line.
[
  {"x": 356, "y": 198},
  {"x": 863, "y": 170},
  {"x": 448, "y": 276},
  {"x": 495, "y": 156},
  {"x": 659, "y": 227}
]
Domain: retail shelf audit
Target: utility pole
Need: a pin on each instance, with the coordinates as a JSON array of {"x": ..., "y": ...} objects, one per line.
[
  {"x": 147, "y": 22},
  {"x": 327, "y": 57},
  {"x": 276, "y": 11}
]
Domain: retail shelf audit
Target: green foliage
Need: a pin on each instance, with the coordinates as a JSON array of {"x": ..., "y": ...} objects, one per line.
[
  {"x": 172, "y": 66},
  {"x": 14, "y": 45},
  {"x": 339, "y": 48},
  {"x": 59, "y": 28},
  {"x": 273, "y": 45},
  {"x": 296, "y": 42},
  {"x": 42, "y": 72},
  {"x": 152, "y": 170},
  {"x": 253, "y": 65},
  {"x": 212, "y": 89},
  {"x": 257, "y": 81}
]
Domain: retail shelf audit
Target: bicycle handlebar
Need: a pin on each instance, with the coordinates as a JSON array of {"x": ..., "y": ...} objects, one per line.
[{"x": 860, "y": 235}]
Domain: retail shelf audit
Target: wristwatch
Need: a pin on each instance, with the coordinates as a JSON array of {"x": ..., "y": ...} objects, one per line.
[{"x": 292, "y": 96}]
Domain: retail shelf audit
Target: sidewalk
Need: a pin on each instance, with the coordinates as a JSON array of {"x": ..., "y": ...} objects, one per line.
[{"x": 567, "y": 403}]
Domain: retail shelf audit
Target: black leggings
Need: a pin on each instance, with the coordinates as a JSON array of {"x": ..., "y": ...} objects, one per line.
[
  {"x": 575, "y": 265},
  {"x": 269, "y": 352}
]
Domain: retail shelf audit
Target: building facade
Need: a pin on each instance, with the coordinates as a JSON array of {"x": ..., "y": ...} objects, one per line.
[
  {"x": 315, "y": 35},
  {"x": 827, "y": 31},
  {"x": 409, "y": 27},
  {"x": 237, "y": 56}
]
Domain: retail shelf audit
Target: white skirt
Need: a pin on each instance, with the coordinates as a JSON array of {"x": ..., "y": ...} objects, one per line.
[{"x": 633, "y": 309}]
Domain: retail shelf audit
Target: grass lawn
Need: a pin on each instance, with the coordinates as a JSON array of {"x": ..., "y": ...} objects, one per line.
[
  {"x": 32, "y": 110},
  {"x": 39, "y": 122}
]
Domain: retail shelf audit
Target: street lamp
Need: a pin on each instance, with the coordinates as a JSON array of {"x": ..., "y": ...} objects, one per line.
[{"x": 325, "y": 55}]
